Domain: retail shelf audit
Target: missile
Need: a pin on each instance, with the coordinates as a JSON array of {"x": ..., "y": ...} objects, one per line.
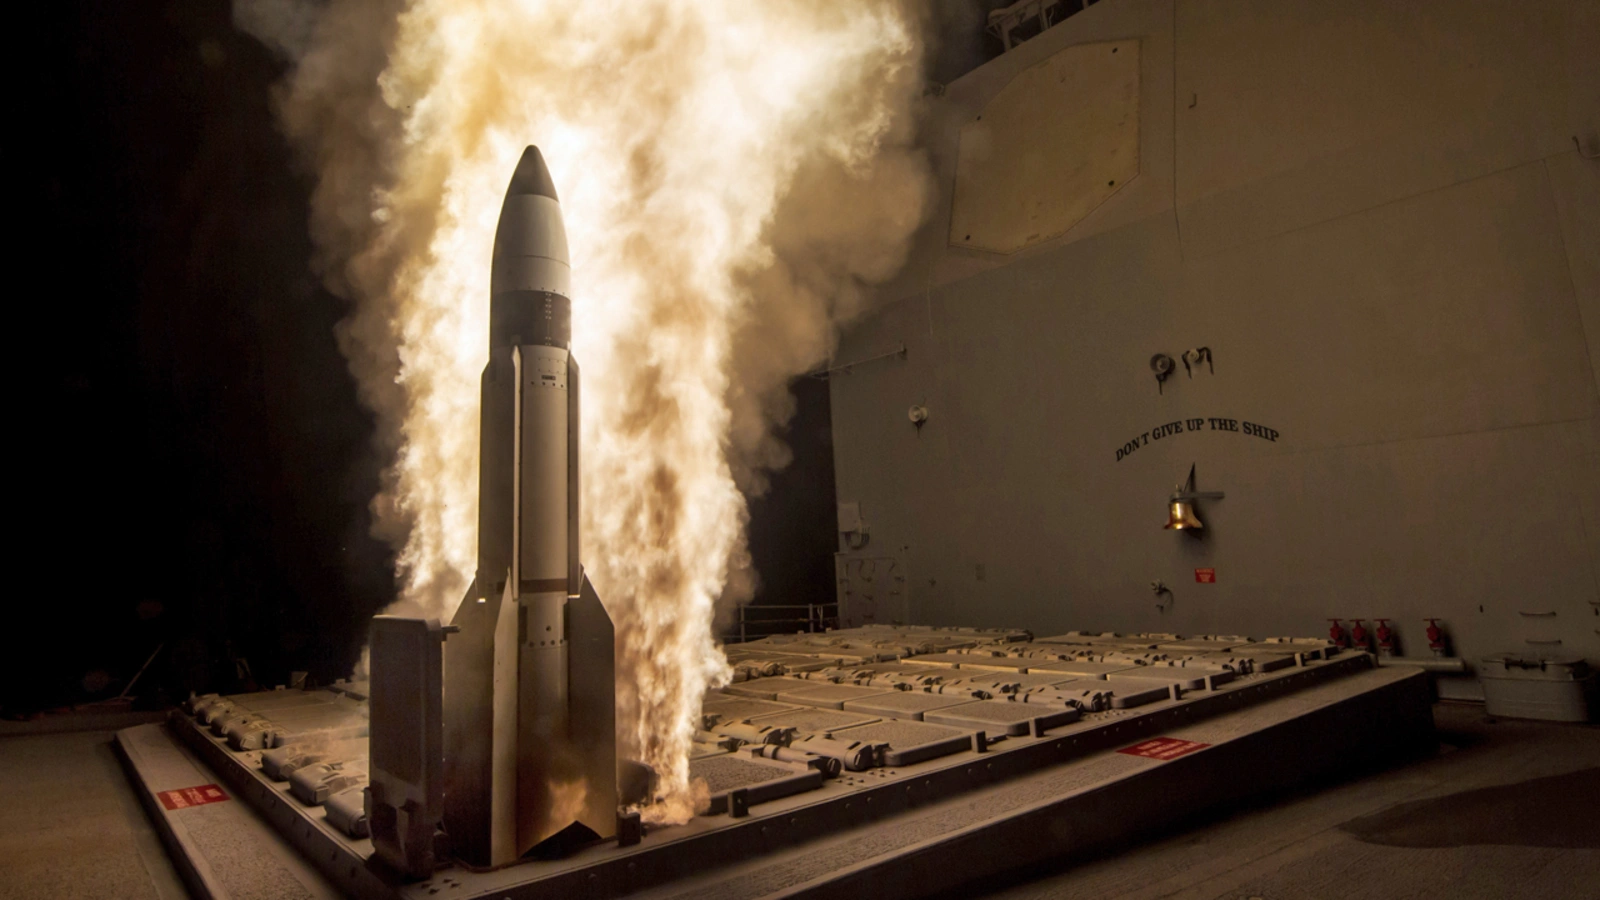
[
  {"x": 553, "y": 718},
  {"x": 525, "y": 709}
]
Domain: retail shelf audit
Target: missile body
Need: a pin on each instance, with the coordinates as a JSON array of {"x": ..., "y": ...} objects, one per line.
[{"x": 529, "y": 739}]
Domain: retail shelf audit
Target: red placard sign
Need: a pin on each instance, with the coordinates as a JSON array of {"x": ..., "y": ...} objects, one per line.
[
  {"x": 183, "y": 798},
  {"x": 1205, "y": 576},
  {"x": 1163, "y": 748}
]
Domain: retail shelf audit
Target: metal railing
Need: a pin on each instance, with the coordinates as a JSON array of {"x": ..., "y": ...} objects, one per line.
[{"x": 758, "y": 621}]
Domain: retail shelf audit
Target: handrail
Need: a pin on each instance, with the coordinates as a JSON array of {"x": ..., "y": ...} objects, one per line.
[{"x": 817, "y": 619}]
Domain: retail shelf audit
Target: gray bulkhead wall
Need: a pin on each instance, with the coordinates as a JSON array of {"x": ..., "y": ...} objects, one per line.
[{"x": 1375, "y": 216}]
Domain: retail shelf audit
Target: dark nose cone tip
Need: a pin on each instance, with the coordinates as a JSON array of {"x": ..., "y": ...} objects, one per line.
[{"x": 532, "y": 177}]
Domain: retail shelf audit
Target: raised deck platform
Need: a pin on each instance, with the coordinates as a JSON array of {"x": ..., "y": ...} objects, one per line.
[{"x": 1046, "y": 747}]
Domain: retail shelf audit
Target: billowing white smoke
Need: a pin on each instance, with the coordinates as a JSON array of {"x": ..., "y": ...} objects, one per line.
[{"x": 733, "y": 173}]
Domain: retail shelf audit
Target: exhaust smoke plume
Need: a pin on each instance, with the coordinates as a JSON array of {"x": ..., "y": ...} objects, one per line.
[{"x": 733, "y": 173}]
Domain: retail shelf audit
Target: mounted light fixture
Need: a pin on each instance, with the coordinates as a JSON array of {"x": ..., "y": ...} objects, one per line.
[
  {"x": 1162, "y": 365},
  {"x": 1180, "y": 506}
]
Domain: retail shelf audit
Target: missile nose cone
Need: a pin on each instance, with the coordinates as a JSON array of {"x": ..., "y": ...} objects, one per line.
[
  {"x": 531, "y": 177},
  {"x": 530, "y": 275}
]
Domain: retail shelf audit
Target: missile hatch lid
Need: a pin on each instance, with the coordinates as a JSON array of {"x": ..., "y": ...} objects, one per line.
[{"x": 531, "y": 176}]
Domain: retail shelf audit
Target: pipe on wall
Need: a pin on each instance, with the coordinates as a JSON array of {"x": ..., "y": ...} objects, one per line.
[{"x": 1432, "y": 664}]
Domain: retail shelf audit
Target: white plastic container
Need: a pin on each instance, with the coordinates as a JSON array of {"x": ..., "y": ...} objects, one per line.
[{"x": 1558, "y": 689}]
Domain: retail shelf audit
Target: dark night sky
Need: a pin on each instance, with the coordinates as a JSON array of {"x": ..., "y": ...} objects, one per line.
[
  {"x": 204, "y": 463},
  {"x": 208, "y": 468}
]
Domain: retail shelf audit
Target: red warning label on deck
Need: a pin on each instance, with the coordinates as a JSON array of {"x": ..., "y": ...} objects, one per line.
[
  {"x": 1163, "y": 748},
  {"x": 1205, "y": 576},
  {"x": 183, "y": 798}
]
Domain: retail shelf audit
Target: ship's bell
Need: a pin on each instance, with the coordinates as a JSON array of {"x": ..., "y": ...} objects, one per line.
[{"x": 1181, "y": 517}]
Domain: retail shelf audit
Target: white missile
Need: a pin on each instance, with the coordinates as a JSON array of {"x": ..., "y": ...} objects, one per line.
[{"x": 528, "y": 706}]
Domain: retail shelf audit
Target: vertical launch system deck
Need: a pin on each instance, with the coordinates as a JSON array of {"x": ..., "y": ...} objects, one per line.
[{"x": 899, "y": 760}]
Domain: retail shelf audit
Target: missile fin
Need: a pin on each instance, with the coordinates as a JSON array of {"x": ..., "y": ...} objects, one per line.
[{"x": 592, "y": 695}]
